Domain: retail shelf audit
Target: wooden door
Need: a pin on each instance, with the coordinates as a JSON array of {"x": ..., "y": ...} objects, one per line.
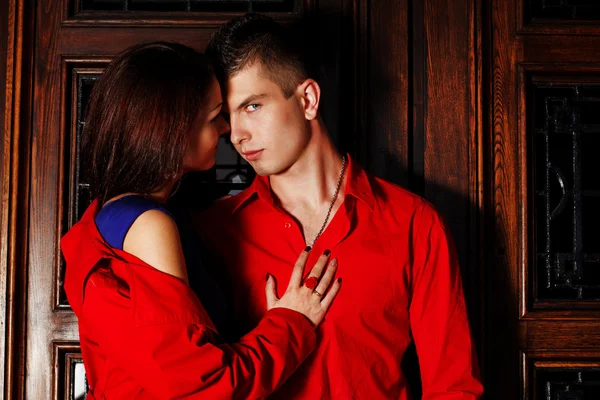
[
  {"x": 74, "y": 40},
  {"x": 544, "y": 280},
  {"x": 402, "y": 84}
]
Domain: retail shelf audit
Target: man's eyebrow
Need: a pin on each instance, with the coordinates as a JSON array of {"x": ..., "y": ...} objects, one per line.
[{"x": 250, "y": 99}]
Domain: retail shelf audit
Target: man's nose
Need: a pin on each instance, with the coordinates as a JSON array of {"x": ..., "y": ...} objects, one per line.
[{"x": 239, "y": 133}]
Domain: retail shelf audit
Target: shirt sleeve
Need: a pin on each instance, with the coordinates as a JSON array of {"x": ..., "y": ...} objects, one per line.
[
  {"x": 438, "y": 315},
  {"x": 175, "y": 354}
]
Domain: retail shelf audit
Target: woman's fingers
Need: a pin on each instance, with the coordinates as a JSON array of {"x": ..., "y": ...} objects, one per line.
[
  {"x": 271, "y": 292},
  {"x": 298, "y": 271},
  {"x": 327, "y": 278},
  {"x": 328, "y": 298},
  {"x": 298, "y": 297},
  {"x": 317, "y": 270}
]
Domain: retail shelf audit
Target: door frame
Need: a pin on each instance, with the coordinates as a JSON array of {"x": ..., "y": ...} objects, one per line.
[
  {"x": 423, "y": 136},
  {"x": 16, "y": 30}
]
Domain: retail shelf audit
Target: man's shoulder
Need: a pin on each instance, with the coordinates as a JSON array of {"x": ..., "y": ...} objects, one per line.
[
  {"x": 391, "y": 197},
  {"x": 398, "y": 204}
]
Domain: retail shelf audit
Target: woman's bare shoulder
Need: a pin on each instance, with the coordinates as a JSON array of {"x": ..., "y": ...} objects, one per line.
[{"x": 154, "y": 238}]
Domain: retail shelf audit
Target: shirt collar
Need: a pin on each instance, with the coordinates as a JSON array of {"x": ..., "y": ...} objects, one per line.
[{"x": 357, "y": 185}]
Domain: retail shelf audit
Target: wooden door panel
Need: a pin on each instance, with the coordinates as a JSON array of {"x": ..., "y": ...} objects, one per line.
[
  {"x": 546, "y": 134},
  {"x": 557, "y": 376},
  {"x": 549, "y": 94},
  {"x": 560, "y": 11},
  {"x": 67, "y": 59},
  {"x": 101, "y": 41},
  {"x": 71, "y": 48},
  {"x": 190, "y": 6},
  {"x": 401, "y": 92},
  {"x": 69, "y": 379}
]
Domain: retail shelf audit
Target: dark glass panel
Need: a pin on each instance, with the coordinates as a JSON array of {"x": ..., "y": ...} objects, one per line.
[
  {"x": 567, "y": 10},
  {"x": 189, "y": 5},
  {"x": 566, "y": 139},
  {"x": 82, "y": 197},
  {"x": 567, "y": 383},
  {"x": 79, "y": 384}
]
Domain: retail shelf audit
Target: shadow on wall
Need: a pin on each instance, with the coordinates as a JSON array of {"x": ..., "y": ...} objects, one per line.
[
  {"x": 478, "y": 267},
  {"x": 489, "y": 295}
]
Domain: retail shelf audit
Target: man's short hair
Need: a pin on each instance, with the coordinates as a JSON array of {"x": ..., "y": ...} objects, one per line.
[{"x": 255, "y": 38}]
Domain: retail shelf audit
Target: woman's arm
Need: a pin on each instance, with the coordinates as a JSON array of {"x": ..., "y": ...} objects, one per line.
[
  {"x": 153, "y": 326},
  {"x": 172, "y": 353}
]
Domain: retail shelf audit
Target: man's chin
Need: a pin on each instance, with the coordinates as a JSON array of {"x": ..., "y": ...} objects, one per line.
[
  {"x": 261, "y": 172},
  {"x": 260, "y": 168}
]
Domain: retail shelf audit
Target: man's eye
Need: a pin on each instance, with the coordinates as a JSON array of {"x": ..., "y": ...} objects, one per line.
[{"x": 253, "y": 107}]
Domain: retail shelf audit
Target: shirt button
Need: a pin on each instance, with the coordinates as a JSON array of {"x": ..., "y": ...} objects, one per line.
[{"x": 288, "y": 225}]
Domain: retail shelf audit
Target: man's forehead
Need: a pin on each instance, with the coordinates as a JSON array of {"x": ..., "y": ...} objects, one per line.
[
  {"x": 246, "y": 84},
  {"x": 245, "y": 80}
]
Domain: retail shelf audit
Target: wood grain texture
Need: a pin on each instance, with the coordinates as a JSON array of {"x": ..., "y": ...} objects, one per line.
[
  {"x": 385, "y": 98},
  {"x": 417, "y": 91},
  {"x": 94, "y": 41},
  {"x": 360, "y": 79},
  {"x": 44, "y": 203},
  {"x": 452, "y": 134},
  {"x": 560, "y": 28},
  {"x": 62, "y": 352},
  {"x": 529, "y": 308},
  {"x": 449, "y": 105},
  {"x": 55, "y": 45},
  {"x": 213, "y": 20},
  {"x": 561, "y": 49},
  {"x": 7, "y": 72},
  {"x": 502, "y": 280},
  {"x": 552, "y": 359},
  {"x": 415, "y": 77},
  {"x": 478, "y": 173},
  {"x": 14, "y": 166},
  {"x": 515, "y": 325},
  {"x": 560, "y": 335},
  {"x": 60, "y": 45}
]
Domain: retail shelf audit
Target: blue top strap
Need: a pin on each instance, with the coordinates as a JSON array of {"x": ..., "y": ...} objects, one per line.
[{"x": 115, "y": 218}]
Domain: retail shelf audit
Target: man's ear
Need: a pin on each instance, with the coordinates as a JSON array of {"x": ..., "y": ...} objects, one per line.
[{"x": 310, "y": 95}]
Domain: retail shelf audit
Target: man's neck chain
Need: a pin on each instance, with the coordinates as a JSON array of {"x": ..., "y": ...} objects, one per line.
[{"x": 335, "y": 195}]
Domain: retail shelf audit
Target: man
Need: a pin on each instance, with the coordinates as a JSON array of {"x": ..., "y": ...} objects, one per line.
[{"x": 401, "y": 280}]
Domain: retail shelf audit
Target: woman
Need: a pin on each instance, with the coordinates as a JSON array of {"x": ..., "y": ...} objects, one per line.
[{"x": 153, "y": 116}]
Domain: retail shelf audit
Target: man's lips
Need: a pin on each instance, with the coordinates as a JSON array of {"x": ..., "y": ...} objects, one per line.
[{"x": 252, "y": 155}]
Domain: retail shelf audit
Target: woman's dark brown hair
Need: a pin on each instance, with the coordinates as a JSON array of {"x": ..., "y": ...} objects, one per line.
[{"x": 140, "y": 113}]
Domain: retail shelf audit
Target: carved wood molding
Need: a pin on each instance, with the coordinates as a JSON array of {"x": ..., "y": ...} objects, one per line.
[
  {"x": 577, "y": 364},
  {"x": 75, "y": 17},
  {"x": 530, "y": 307},
  {"x": 66, "y": 355},
  {"x": 14, "y": 187}
]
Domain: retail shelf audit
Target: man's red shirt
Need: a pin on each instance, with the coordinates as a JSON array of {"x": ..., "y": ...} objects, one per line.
[
  {"x": 400, "y": 281},
  {"x": 145, "y": 335}
]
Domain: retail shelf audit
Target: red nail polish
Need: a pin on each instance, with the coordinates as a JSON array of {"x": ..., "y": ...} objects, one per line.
[
  {"x": 307, "y": 249},
  {"x": 339, "y": 280},
  {"x": 326, "y": 253}
]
